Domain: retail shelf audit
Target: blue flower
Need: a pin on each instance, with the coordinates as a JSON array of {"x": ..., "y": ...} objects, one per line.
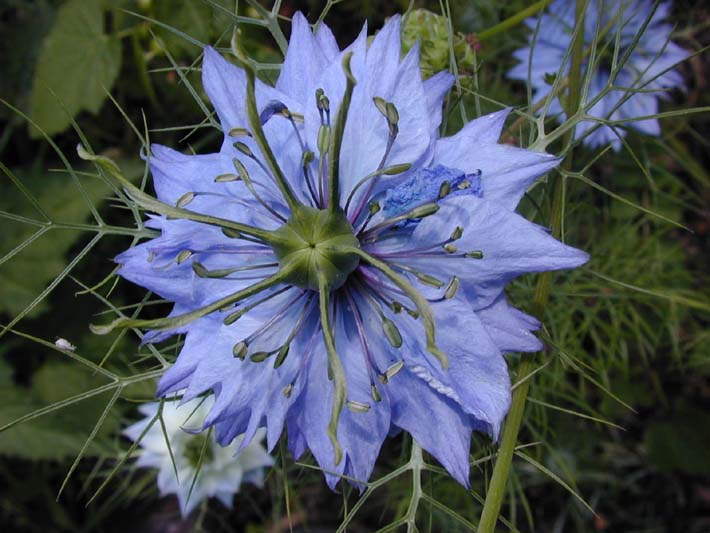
[
  {"x": 648, "y": 70},
  {"x": 337, "y": 268}
]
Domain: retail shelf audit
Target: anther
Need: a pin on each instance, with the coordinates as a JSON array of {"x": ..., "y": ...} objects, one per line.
[
  {"x": 232, "y": 234},
  {"x": 476, "y": 254},
  {"x": 183, "y": 256},
  {"x": 233, "y": 317},
  {"x": 357, "y": 407},
  {"x": 456, "y": 234},
  {"x": 452, "y": 288},
  {"x": 287, "y": 390},
  {"x": 323, "y": 138},
  {"x": 444, "y": 189},
  {"x": 450, "y": 248},
  {"x": 392, "y": 333},
  {"x": 243, "y": 148},
  {"x": 185, "y": 199},
  {"x": 258, "y": 357},
  {"x": 239, "y": 132},
  {"x": 429, "y": 280},
  {"x": 281, "y": 356},
  {"x": 374, "y": 208},
  {"x": 240, "y": 350},
  {"x": 224, "y": 178},
  {"x": 375, "y": 393},
  {"x": 393, "y": 370}
]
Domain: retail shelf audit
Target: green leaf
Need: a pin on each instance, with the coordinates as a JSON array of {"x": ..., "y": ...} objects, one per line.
[
  {"x": 62, "y": 434},
  {"x": 198, "y": 19},
  {"x": 76, "y": 62},
  {"x": 24, "y": 275},
  {"x": 681, "y": 443}
]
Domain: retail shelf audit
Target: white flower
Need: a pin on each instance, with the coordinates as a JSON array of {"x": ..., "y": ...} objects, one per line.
[{"x": 223, "y": 469}]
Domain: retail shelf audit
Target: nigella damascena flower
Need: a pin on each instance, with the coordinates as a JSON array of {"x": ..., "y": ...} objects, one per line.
[
  {"x": 647, "y": 62},
  {"x": 337, "y": 267},
  {"x": 220, "y": 470}
]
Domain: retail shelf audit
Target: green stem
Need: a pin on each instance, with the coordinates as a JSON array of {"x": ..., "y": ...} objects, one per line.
[
  {"x": 509, "y": 438},
  {"x": 416, "y": 464},
  {"x": 513, "y": 21}
]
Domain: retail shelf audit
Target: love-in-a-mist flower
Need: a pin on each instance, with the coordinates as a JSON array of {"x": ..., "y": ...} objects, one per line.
[
  {"x": 633, "y": 42},
  {"x": 337, "y": 267},
  {"x": 220, "y": 470}
]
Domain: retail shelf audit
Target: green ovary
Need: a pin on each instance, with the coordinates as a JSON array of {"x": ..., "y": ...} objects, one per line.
[{"x": 312, "y": 245}]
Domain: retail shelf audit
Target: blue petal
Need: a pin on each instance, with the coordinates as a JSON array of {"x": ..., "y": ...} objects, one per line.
[
  {"x": 437, "y": 423},
  {"x": 509, "y": 327},
  {"x": 424, "y": 185},
  {"x": 305, "y": 59},
  {"x": 507, "y": 171}
]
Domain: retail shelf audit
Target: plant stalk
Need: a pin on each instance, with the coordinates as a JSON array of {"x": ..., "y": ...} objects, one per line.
[{"x": 509, "y": 438}]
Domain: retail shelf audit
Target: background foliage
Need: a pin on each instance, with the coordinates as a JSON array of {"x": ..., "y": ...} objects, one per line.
[{"x": 618, "y": 415}]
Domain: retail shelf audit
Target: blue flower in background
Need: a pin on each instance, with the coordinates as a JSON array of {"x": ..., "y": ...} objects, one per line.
[
  {"x": 648, "y": 69},
  {"x": 337, "y": 268}
]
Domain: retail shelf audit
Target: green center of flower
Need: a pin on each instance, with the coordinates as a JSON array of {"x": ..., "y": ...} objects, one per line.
[
  {"x": 199, "y": 446},
  {"x": 312, "y": 246}
]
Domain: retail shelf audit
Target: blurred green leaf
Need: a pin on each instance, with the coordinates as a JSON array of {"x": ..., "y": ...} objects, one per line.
[
  {"x": 77, "y": 61},
  {"x": 681, "y": 443},
  {"x": 61, "y": 434},
  {"x": 27, "y": 273}
]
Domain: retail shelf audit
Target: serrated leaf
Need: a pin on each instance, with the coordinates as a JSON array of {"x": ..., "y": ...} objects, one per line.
[{"x": 76, "y": 62}]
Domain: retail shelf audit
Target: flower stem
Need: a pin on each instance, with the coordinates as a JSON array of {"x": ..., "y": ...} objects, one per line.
[
  {"x": 496, "y": 488},
  {"x": 513, "y": 21}
]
